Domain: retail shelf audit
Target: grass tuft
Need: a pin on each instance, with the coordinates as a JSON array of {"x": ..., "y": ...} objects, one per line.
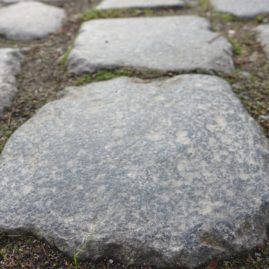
[
  {"x": 237, "y": 49},
  {"x": 104, "y": 75},
  {"x": 111, "y": 13},
  {"x": 94, "y": 14},
  {"x": 63, "y": 59}
]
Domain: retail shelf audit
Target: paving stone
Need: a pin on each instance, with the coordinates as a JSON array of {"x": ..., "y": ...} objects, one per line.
[
  {"x": 242, "y": 8},
  {"x": 54, "y": 2},
  {"x": 170, "y": 172},
  {"x": 115, "y": 4},
  {"x": 177, "y": 43},
  {"x": 30, "y": 20},
  {"x": 9, "y": 68},
  {"x": 264, "y": 36}
]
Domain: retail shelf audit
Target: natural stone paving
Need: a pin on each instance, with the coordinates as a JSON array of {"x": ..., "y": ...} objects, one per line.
[
  {"x": 111, "y": 4},
  {"x": 30, "y": 20},
  {"x": 264, "y": 36},
  {"x": 9, "y": 67},
  {"x": 170, "y": 172},
  {"x": 242, "y": 8},
  {"x": 178, "y": 43},
  {"x": 165, "y": 172}
]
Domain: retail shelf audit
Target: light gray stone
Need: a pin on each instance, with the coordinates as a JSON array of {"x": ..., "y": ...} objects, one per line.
[
  {"x": 178, "y": 43},
  {"x": 115, "y": 4},
  {"x": 264, "y": 36},
  {"x": 9, "y": 68},
  {"x": 54, "y": 2},
  {"x": 165, "y": 173},
  {"x": 30, "y": 20},
  {"x": 242, "y": 8}
]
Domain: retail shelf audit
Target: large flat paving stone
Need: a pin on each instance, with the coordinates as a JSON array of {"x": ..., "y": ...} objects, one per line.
[
  {"x": 30, "y": 20},
  {"x": 117, "y": 4},
  {"x": 165, "y": 173},
  {"x": 178, "y": 43},
  {"x": 9, "y": 68},
  {"x": 242, "y": 8},
  {"x": 264, "y": 36}
]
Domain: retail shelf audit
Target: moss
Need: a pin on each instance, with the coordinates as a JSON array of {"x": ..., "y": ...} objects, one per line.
[
  {"x": 129, "y": 12},
  {"x": 237, "y": 49},
  {"x": 6, "y": 42},
  {"x": 114, "y": 13},
  {"x": 204, "y": 5},
  {"x": 103, "y": 75},
  {"x": 226, "y": 17},
  {"x": 260, "y": 18},
  {"x": 5, "y": 133}
]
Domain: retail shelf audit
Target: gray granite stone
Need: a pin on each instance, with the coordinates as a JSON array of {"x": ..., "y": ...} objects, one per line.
[
  {"x": 115, "y": 4},
  {"x": 166, "y": 173},
  {"x": 9, "y": 68},
  {"x": 242, "y": 8},
  {"x": 30, "y": 20},
  {"x": 178, "y": 43},
  {"x": 264, "y": 36}
]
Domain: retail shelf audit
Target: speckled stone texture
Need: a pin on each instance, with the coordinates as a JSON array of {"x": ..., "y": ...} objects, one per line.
[
  {"x": 264, "y": 37},
  {"x": 9, "y": 67},
  {"x": 242, "y": 8},
  {"x": 115, "y": 4},
  {"x": 178, "y": 43},
  {"x": 30, "y": 20},
  {"x": 168, "y": 173}
]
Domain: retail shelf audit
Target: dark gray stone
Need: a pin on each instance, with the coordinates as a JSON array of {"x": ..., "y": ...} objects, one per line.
[
  {"x": 166, "y": 173},
  {"x": 264, "y": 37},
  {"x": 242, "y": 8},
  {"x": 178, "y": 43},
  {"x": 30, "y": 20},
  {"x": 9, "y": 68}
]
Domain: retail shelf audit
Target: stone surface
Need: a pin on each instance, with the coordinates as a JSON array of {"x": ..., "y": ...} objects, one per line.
[
  {"x": 115, "y": 4},
  {"x": 242, "y": 8},
  {"x": 168, "y": 173},
  {"x": 54, "y": 2},
  {"x": 178, "y": 43},
  {"x": 30, "y": 20},
  {"x": 264, "y": 36},
  {"x": 9, "y": 68}
]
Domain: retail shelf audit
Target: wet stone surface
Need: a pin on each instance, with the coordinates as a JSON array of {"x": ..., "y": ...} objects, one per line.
[
  {"x": 168, "y": 173},
  {"x": 30, "y": 20},
  {"x": 178, "y": 43},
  {"x": 9, "y": 68},
  {"x": 242, "y": 8},
  {"x": 115, "y": 4},
  {"x": 263, "y": 31}
]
